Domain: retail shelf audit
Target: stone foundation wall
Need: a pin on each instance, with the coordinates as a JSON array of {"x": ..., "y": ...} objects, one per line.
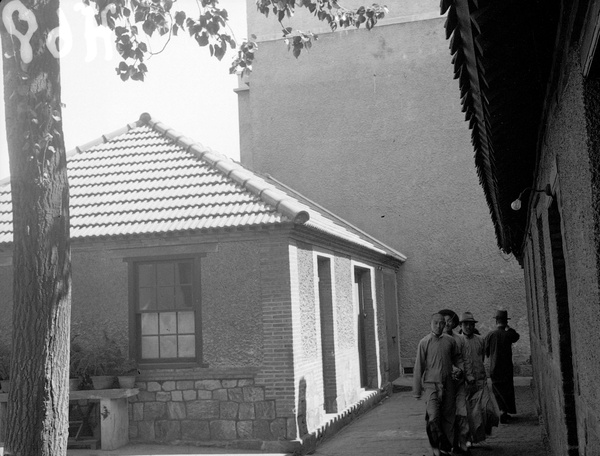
[{"x": 204, "y": 410}]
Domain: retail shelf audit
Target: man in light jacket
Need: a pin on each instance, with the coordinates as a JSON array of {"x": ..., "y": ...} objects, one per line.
[{"x": 437, "y": 362}]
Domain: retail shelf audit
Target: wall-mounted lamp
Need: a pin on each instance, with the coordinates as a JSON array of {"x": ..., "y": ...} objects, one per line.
[{"x": 516, "y": 204}]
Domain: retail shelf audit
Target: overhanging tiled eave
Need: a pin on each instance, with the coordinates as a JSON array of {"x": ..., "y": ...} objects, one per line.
[{"x": 501, "y": 81}]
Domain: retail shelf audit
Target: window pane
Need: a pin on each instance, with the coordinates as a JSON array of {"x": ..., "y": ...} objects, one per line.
[
  {"x": 163, "y": 287},
  {"x": 187, "y": 346},
  {"x": 165, "y": 274},
  {"x": 149, "y": 323},
  {"x": 146, "y": 275},
  {"x": 165, "y": 298},
  {"x": 168, "y": 323},
  {"x": 147, "y": 299},
  {"x": 186, "y": 323},
  {"x": 183, "y": 297},
  {"x": 149, "y": 347},
  {"x": 168, "y": 346},
  {"x": 184, "y": 273}
]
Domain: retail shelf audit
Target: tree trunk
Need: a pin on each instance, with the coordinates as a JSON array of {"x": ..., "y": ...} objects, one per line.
[{"x": 39, "y": 394}]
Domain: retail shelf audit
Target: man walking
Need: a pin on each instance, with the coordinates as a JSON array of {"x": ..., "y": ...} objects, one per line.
[
  {"x": 437, "y": 362},
  {"x": 498, "y": 347},
  {"x": 461, "y": 422},
  {"x": 482, "y": 408}
]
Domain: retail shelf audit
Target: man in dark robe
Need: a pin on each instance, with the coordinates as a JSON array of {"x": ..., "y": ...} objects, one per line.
[
  {"x": 437, "y": 362},
  {"x": 498, "y": 348}
]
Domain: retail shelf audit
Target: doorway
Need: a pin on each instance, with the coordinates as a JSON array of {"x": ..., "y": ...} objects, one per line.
[
  {"x": 328, "y": 358},
  {"x": 391, "y": 325},
  {"x": 367, "y": 352}
]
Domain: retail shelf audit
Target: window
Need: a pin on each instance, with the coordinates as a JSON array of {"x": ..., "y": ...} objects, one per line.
[{"x": 166, "y": 318}]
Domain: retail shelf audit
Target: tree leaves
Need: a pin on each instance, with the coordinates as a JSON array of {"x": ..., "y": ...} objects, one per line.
[
  {"x": 149, "y": 26},
  {"x": 180, "y": 18},
  {"x": 299, "y": 41},
  {"x": 325, "y": 10},
  {"x": 140, "y": 15},
  {"x": 210, "y": 28},
  {"x": 202, "y": 38},
  {"x": 242, "y": 63}
]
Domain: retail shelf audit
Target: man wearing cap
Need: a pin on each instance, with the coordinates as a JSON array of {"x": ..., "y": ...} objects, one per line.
[
  {"x": 482, "y": 408},
  {"x": 498, "y": 347},
  {"x": 437, "y": 362}
]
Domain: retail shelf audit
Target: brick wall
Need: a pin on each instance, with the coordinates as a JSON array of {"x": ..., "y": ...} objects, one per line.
[{"x": 276, "y": 374}]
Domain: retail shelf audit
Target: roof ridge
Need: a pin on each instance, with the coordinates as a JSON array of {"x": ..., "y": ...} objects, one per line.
[{"x": 283, "y": 203}]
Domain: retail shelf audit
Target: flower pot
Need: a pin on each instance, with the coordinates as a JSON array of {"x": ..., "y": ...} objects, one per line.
[
  {"x": 126, "y": 381},
  {"x": 4, "y": 385},
  {"x": 101, "y": 382},
  {"x": 74, "y": 384}
]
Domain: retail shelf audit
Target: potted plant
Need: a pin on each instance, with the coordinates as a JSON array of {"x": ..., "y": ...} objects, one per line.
[
  {"x": 126, "y": 371},
  {"x": 98, "y": 366},
  {"x": 118, "y": 363},
  {"x": 108, "y": 361},
  {"x": 90, "y": 364},
  {"x": 4, "y": 369},
  {"x": 96, "y": 372}
]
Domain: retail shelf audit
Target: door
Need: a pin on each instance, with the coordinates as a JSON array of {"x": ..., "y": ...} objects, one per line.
[
  {"x": 391, "y": 325},
  {"x": 359, "y": 298}
]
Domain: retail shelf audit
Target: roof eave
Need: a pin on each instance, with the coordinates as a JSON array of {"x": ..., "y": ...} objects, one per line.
[{"x": 502, "y": 84}]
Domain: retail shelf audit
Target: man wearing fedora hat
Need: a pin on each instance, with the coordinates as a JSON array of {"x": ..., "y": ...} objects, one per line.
[
  {"x": 482, "y": 409},
  {"x": 498, "y": 347}
]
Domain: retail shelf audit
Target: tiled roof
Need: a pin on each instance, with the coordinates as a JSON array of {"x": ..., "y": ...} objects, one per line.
[{"x": 147, "y": 179}]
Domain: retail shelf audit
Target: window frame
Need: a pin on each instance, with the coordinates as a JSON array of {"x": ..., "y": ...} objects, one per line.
[{"x": 135, "y": 348}]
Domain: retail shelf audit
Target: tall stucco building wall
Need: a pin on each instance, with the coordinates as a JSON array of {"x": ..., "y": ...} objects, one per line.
[
  {"x": 563, "y": 306},
  {"x": 369, "y": 125}
]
